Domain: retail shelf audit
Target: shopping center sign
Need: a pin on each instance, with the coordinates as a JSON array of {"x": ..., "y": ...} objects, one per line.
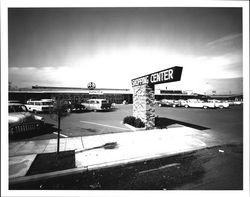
[{"x": 163, "y": 76}]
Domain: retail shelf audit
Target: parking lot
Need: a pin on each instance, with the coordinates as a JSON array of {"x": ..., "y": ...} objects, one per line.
[{"x": 226, "y": 124}]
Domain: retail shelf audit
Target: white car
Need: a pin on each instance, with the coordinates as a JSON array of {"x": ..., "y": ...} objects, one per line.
[
  {"x": 220, "y": 104},
  {"x": 96, "y": 104},
  {"x": 198, "y": 104},
  {"x": 43, "y": 105},
  {"x": 168, "y": 103},
  {"x": 182, "y": 102},
  {"x": 238, "y": 102},
  {"x": 233, "y": 102}
]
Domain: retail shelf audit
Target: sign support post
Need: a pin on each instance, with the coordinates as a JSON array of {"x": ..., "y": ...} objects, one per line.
[
  {"x": 144, "y": 97},
  {"x": 143, "y": 105}
]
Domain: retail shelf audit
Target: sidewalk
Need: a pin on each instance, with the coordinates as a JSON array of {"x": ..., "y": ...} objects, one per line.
[{"x": 132, "y": 147}]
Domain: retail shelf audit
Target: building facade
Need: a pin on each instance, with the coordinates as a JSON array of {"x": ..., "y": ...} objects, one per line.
[
  {"x": 76, "y": 95},
  {"x": 118, "y": 96}
]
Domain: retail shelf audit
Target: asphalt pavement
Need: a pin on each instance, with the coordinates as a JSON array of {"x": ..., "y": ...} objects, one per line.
[
  {"x": 190, "y": 140},
  {"x": 227, "y": 124}
]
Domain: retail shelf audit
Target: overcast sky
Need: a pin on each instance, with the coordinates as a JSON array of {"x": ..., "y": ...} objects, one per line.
[{"x": 110, "y": 46}]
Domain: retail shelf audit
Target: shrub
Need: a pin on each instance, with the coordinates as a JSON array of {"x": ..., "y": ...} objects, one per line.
[
  {"x": 139, "y": 123},
  {"x": 129, "y": 120},
  {"x": 136, "y": 122},
  {"x": 157, "y": 120}
]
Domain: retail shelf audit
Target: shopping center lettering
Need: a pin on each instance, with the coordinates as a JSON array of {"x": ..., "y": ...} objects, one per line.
[
  {"x": 143, "y": 97},
  {"x": 163, "y": 76}
]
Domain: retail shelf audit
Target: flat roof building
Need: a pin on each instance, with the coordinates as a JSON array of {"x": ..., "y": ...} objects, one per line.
[
  {"x": 117, "y": 96},
  {"x": 71, "y": 93}
]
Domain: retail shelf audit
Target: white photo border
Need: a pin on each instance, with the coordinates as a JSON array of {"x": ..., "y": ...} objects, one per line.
[{"x": 5, "y": 4}]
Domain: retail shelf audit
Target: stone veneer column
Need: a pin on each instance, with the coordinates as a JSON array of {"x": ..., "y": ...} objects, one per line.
[{"x": 143, "y": 105}]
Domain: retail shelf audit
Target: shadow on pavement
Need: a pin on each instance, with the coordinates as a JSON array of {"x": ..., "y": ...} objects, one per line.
[{"x": 162, "y": 122}]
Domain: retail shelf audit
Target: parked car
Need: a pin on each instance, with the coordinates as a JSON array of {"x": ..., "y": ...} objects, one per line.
[
  {"x": 66, "y": 105},
  {"x": 237, "y": 102},
  {"x": 182, "y": 102},
  {"x": 199, "y": 104},
  {"x": 219, "y": 104},
  {"x": 77, "y": 107},
  {"x": 156, "y": 102},
  {"x": 234, "y": 102},
  {"x": 43, "y": 105},
  {"x": 21, "y": 120},
  {"x": 168, "y": 103},
  {"x": 96, "y": 104}
]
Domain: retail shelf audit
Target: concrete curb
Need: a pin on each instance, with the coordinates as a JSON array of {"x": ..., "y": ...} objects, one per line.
[
  {"x": 63, "y": 173},
  {"x": 134, "y": 128}
]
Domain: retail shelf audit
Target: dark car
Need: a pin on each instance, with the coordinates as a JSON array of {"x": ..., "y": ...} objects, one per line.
[
  {"x": 77, "y": 107},
  {"x": 21, "y": 120},
  {"x": 168, "y": 103}
]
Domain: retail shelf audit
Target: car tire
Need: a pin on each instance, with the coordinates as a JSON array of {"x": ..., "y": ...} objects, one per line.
[
  {"x": 159, "y": 105},
  {"x": 205, "y": 107},
  {"x": 221, "y": 107},
  {"x": 174, "y": 105},
  {"x": 186, "y": 106}
]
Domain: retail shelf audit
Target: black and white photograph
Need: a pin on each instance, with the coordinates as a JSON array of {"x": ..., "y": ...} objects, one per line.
[{"x": 126, "y": 97}]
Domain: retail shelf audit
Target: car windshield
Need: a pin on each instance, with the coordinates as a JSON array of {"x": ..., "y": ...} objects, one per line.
[{"x": 17, "y": 108}]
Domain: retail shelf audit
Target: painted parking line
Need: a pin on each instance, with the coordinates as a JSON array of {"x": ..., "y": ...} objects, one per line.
[
  {"x": 104, "y": 125},
  {"x": 60, "y": 134},
  {"x": 160, "y": 168}
]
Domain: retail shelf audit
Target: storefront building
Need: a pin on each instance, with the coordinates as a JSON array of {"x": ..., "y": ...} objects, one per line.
[
  {"x": 117, "y": 96},
  {"x": 75, "y": 95}
]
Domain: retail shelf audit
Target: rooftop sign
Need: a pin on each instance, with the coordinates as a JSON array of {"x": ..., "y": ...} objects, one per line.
[
  {"x": 95, "y": 92},
  {"x": 91, "y": 85},
  {"x": 163, "y": 76}
]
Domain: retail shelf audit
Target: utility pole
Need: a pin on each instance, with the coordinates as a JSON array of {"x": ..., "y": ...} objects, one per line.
[{"x": 58, "y": 132}]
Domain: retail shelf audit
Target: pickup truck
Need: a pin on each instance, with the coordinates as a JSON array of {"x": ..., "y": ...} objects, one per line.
[
  {"x": 198, "y": 104},
  {"x": 96, "y": 104}
]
